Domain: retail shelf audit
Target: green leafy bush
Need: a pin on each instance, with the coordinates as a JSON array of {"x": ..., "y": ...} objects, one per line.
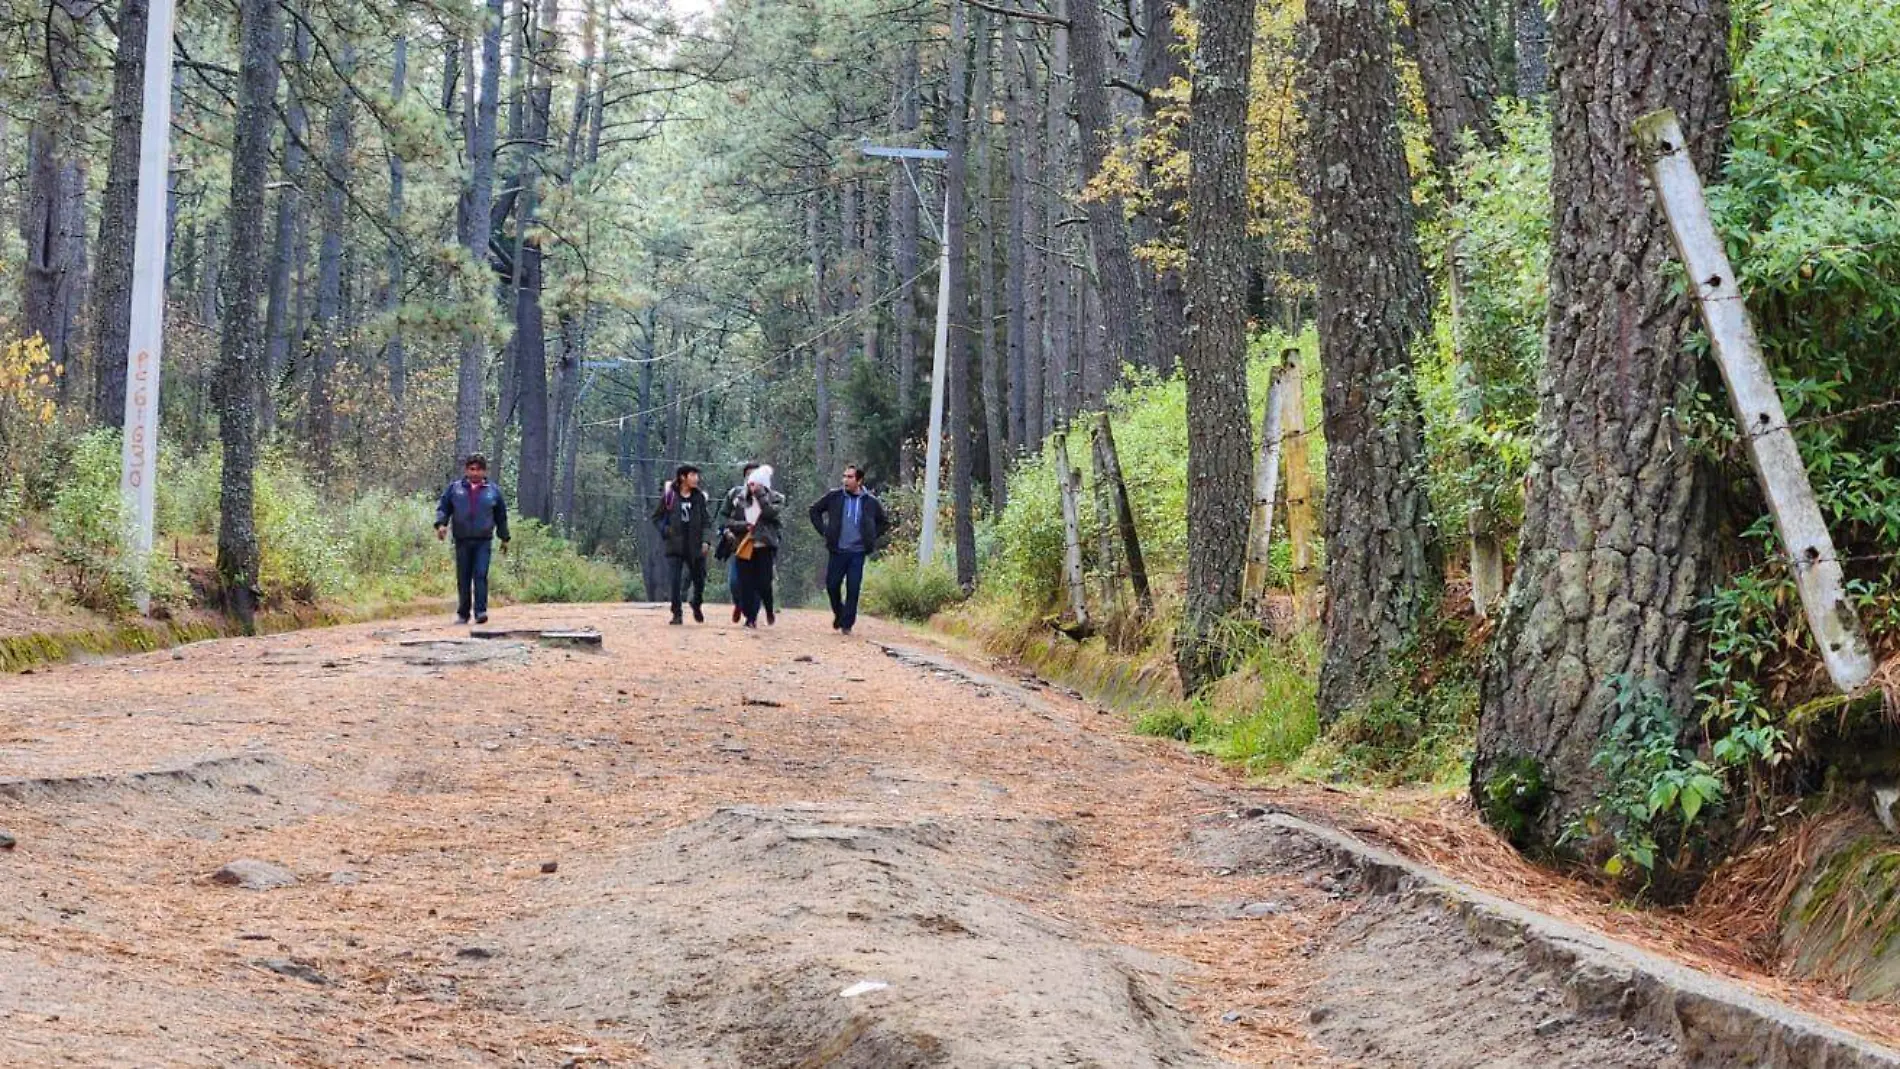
[
  {"x": 901, "y": 590},
  {"x": 89, "y": 526},
  {"x": 301, "y": 557},
  {"x": 1411, "y": 730},
  {"x": 541, "y": 566}
]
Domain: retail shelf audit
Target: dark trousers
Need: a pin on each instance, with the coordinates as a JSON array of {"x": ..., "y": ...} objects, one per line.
[
  {"x": 755, "y": 583},
  {"x": 688, "y": 570},
  {"x": 471, "y": 575},
  {"x": 844, "y": 574}
]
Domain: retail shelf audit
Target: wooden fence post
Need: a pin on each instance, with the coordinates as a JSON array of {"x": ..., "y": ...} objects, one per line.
[
  {"x": 1266, "y": 481},
  {"x": 1071, "y": 532},
  {"x": 1300, "y": 527},
  {"x": 1104, "y": 530},
  {"x": 1758, "y": 409},
  {"x": 1124, "y": 515}
]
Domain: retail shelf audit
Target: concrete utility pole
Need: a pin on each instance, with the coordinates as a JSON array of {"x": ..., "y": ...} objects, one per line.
[
  {"x": 933, "y": 451},
  {"x": 1758, "y": 412},
  {"x": 146, "y": 340}
]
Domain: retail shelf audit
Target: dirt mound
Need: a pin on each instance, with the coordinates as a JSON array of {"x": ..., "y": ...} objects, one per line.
[{"x": 776, "y": 938}]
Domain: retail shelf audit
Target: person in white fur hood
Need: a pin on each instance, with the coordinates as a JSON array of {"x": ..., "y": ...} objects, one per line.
[{"x": 752, "y": 524}]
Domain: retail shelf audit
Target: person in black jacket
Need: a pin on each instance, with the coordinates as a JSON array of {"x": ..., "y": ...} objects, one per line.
[
  {"x": 852, "y": 521},
  {"x": 473, "y": 509},
  {"x": 682, "y": 518}
]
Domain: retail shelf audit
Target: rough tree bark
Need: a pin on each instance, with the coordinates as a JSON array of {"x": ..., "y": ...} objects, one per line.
[
  {"x": 1161, "y": 63},
  {"x": 995, "y": 431},
  {"x": 278, "y": 329},
  {"x": 905, "y": 255},
  {"x": 328, "y": 323},
  {"x": 1616, "y": 549},
  {"x": 118, "y": 220},
  {"x": 395, "y": 354},
  {"x": 1220, "y": 446},
  {"x": 1455, "y": 68},
  {"x": 54, "y": 219},
  {"x": 1035, "y": 269},
  {"x": 959, "y": 434},
  {"x": 241, "y": 345},
  {"x": 1124, "y": 305},
  {"x": 1382, "y": 568},
  {"x": 534, "y": 475},
  {"x": 1533, "y": 49},
  {"x": 821, "y": 291},
  {"x": 477, "y": 219},
  {"x": 1022, "y": 330},
  {"x": 1059, "y": 274}
]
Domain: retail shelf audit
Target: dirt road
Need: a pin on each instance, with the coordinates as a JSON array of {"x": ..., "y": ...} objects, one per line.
[{"x": 700, "y": 846}]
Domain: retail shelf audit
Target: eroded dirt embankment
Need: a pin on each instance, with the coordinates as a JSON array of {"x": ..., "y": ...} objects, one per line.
[{"x": 706, "y": 847}]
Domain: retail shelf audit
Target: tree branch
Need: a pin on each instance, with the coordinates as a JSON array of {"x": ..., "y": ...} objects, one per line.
[{"x": 1018, "y": 13}]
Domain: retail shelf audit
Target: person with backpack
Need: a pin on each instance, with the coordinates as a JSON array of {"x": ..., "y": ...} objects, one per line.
[
  {"x": 683, "y": 519},
  {"x": 851, "y": 519},
  {"x": 752, "y": 521},
  {"x": 473, "y": 510}
]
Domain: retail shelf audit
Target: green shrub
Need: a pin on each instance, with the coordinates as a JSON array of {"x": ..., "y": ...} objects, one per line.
[
  {"x": 188, "y": 493},
  {"x": 1411, "y": 730},
  {"x": 902, "y": 590},
  {"x": 543, "y": 567},
  {"x": 89, "y": 526},
  {"x": 1263, "y": 716},
  {"x": 301, "y": 557}
]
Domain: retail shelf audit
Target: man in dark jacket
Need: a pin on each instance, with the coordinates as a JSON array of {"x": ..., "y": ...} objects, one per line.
[
  {"x": 682, "y": 518},
  {"x": 852, "y": 521},
  {"x": 472, "y": 509}
]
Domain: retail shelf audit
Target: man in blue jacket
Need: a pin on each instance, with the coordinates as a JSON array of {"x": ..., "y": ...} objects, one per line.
[
  {"x": 852, "y": 521},
  {"x": 473, "y": 511}
]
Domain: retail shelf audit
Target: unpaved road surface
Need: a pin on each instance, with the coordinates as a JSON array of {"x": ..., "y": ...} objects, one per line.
[{"x": 700, "y": 846}]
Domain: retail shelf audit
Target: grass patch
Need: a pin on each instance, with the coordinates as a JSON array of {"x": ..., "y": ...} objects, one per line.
[{"x": 1263, "y": 716}]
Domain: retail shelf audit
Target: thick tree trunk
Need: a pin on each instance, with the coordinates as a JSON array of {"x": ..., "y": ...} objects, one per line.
[
  {"x": 1034, "y": 267},
  {"x": 328, "y": 323},
  {"x": 534, "y": 476},
  {"x": 1059, "y": 276},
  {"x": 1220, "y": 440},
  {"x": 477, "y": 223},
  {"x": 1455, "y": 67},
  {"x": 1016, "y": 297},
  {"x": 395, "y": 354},
  {"x": 995, "y": 432},
  {"x": 1382, "y": 568},
  {"x": 1161, "y": 63},
  {"x": 53, "y": 222},
  {"x": 241, "y": 345},
  {"x": 118, "y": 220},
  {"x": 1124, "y": 307},
  {"x": 278, "y": 318},
  {"x": 1616, "y": 552},
  {"x": 821, "y": 291},
  {"x": 960, "y": 434},
  {"x": 905, "y": 257},
  {"x": 1533, "y": 49}
]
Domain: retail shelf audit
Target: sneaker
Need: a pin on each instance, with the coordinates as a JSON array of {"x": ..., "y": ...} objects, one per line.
[
  {"x": 735, "y": 614},
  {"x": 845, "y": 631},
  {"x": 753, "y": 624},
  {"x": 481, "y": 617},
  {"x": 460, "y": 620},
  {"x": 676, "y": 620},
  {"x": 698, "y": 616},
  {"x": 835, "y": 625},
  {"x": 771, "y": 618}
]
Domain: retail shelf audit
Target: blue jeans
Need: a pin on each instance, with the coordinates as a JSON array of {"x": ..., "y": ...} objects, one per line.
[
  {"x": 844, "y": 574},
  {"x": 471, "y": 574}
]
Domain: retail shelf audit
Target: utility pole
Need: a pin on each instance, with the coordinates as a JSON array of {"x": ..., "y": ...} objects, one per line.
[
  {"x": 146, "y": 340},
  {"x": 933, "y": 450}
]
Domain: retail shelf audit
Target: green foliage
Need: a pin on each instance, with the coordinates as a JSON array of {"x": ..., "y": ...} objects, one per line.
[
  {"x": 1513, "y": 798},
  {"x": 301, "y": 557},
  {"x": 1150, "y": 424},
  {"x": 12, "y": 502},
  {"x": 1264, "y": 716},
  {"x": 1412, "y": 729},
  {"x": 541, "y": 566},
  {"x": 899, "y": 589},
  {"x": 1654, "y": 788},
  {"x": 1815, "y": 236},
  {"x": 1488, "y": 359},
  {"x": 89, "y": 527}
]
